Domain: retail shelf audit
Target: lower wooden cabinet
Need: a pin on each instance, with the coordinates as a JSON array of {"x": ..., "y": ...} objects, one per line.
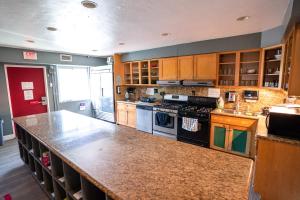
[
  {"x": 229, "y": 137},
  {"x": 126, "y": 114}
]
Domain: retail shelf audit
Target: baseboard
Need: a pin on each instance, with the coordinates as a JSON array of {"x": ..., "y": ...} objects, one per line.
[{"x": 9, "y": 137}]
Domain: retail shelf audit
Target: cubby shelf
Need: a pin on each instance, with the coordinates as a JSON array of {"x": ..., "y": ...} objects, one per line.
[{"x": 58, "y": 180}]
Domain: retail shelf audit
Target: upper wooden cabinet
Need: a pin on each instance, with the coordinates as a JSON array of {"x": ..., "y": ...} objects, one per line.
[
  {"x": 186, "y": 68},
  {"x": 168, "y": 69},
  {"x": 205, "y": 67},
  {"x": 291, "y": 70}
]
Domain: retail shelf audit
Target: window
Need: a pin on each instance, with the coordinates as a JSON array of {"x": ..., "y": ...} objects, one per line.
[{"x": 73, "y": 83}]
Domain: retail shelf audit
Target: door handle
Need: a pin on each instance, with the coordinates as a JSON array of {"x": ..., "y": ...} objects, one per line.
[{"x": 43, "y": 102}]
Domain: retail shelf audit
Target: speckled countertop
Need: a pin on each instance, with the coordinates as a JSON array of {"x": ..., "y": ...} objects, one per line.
[
  {"x": 139, "y": 102},
  {"x": 128, "y": 164}
]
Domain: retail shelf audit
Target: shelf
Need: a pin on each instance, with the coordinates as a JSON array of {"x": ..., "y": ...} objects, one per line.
[
  {"x": 273, "y": 60},
  {"x": 226, "y": 75},
  {"x": 249, "y": 74},
  {"x": 272, "y": 74},
  {"x": 90, "y": 191},
  {"x": 249, "y": 62},
  {"x": 227, "y": 63}
]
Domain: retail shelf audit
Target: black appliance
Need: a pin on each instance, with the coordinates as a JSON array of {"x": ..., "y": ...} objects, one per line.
[
  {"x": 197, "y": 108},
  {"x": 284, "y": 121},
  {"x": 251, "y": 94}
]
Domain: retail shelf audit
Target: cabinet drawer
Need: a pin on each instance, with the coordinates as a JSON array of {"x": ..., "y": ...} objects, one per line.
[
  {"x": 236, "y": 121},
  {"x": 121, "y": 106}
]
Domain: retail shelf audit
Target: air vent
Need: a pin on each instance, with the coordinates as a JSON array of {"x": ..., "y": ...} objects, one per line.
[{"x": 65, "y": 58}]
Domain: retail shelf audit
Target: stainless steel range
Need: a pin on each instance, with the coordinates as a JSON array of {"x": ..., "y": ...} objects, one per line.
[{"x": 165, "y": 116}]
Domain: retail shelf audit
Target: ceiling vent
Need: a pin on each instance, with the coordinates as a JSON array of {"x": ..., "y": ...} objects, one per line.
[{"x": 65, "y": 58}]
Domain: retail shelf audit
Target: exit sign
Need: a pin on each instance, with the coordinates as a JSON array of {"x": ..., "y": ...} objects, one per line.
[{"x": 29, "y": 55}]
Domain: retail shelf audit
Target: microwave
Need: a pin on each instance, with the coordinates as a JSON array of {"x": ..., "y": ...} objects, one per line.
[{"x": 284, "y": 121}]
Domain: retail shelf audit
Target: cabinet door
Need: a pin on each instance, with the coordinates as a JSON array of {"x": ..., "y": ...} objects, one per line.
[
  {"x": 131, "y": 115},
  {"x": 122, "y": 113},
  {"x": 168, "y": 69},
  {"x": 186, "y": 68},
  {"x": 205, "y": 67},
  {"x": 218, "y": 136},
  {"x": 239, "y": 140}
]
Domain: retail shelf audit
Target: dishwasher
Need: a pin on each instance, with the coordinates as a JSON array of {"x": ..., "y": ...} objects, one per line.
[{"x": 144, "y": 118}]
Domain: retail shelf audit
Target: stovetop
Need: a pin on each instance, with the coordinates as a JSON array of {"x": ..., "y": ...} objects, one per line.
[{"x": 195, "y": 112}]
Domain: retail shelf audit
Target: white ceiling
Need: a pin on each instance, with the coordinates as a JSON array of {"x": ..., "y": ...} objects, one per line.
[{"x": 137, "y": 23}]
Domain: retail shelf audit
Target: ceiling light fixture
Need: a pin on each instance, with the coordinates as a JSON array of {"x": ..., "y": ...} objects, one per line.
[
  {"x": 30, "y": 41},
  {"x": 243, "y": 18},
  {"x": 165, "y": 34},
  {"x": 94, "y": 50},
  {"x": 50, "y": 28},
  {"x": 89, "y": 4},
  {"x": 121, "y": 43}
]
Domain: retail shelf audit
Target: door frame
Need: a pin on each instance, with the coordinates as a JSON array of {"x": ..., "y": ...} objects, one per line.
[{"x": 8, "y": 90}]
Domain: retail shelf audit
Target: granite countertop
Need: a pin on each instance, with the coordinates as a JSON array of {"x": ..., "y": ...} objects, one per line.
[
  {"x": 127, "y": 164},
  {"x": 262, "y": 133},
  {"x": 139, "y": 102}
]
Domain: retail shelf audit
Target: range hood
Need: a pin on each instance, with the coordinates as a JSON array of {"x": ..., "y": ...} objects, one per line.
[
  {"x": 169, "y": 83},
  {"x": 199, "y": 83}
]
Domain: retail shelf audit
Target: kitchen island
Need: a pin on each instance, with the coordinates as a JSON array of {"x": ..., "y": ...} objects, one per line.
[{"x": 104, "y": 160}]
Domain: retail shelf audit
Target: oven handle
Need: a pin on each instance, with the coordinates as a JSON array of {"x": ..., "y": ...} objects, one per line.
[
  {"x": 170, "y": 114},
  {"x": 199, "y": 120}
]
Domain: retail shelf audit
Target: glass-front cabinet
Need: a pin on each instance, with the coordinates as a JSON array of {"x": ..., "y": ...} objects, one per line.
[
  {"x": 233, "y": 139},
  {"x": 273, "y": 67},
  {"x": 249, "y": 68},
  {"x": 227, "y": 69}
]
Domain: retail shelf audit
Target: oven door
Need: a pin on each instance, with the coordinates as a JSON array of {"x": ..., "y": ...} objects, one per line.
[
  {"x": 201, "y": 137},
  {"x": 170, "y": 127}
]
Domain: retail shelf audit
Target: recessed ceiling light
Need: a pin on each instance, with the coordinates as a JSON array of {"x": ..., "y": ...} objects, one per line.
[
  {"x": 94, "y": 50},
  {"x": 243, "y": 18},
  {"x": 121, "y": 43},
  {"x": 50, "y": 28},
  {"x": 165, "y": 34},
  {"x": 89, "y": 4},
  {"x": 30, "y": 41}
]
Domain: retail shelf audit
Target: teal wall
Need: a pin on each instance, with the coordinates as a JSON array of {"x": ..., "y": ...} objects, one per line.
[{"x": 15, "y": 56}]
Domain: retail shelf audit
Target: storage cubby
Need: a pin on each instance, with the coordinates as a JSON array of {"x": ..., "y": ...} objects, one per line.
[
  {"x": 31, "y": 163},
  {"x": 18, "y": 132},
  {"x": 38, "y": 171},
  {"x": 57, "y": 168},
  {"x": 272, "y": 67},
  {"x": 25, "y": 156},
  {"x": 72, "y": 179},
  {"x": 90, "y": 191},
  {"x": 59, "y": 192},
  {"x": 44, "y": 152},
  {"x": 35, "y": 148},
  {"x": 48, "y": 183},
  {"x": 20, "y": 150},
  {"x": 28, "y": 141}
]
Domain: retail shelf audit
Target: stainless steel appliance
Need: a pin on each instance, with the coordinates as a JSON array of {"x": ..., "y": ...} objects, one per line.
[
  {"x": 165, "y": 117},
  {"x": 169, "y": 83},
  {"x": 144, "y": 118},
  {"x": 284, "y": 121},
  {"x": 198, "y": 109},
  {"x": 199, "y": 83}
]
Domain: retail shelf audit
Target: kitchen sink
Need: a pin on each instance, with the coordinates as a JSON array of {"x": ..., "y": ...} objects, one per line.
[{"x": 234, "y": 112}]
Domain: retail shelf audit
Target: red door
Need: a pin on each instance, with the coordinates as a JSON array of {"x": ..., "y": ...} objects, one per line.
[{"x": 26, "y": 87}]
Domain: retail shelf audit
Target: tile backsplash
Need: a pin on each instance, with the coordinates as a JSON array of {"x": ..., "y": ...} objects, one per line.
[{"x": 267, "y": 97}]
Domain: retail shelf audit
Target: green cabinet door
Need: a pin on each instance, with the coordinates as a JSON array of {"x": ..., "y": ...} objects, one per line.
[
  {"x": 239, "y": 141},
  {"x": 219, "y": 137}
]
